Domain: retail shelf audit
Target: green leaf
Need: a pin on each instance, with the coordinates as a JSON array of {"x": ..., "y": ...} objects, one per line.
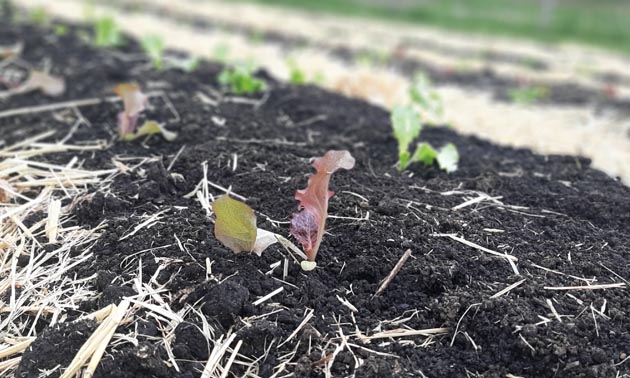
[
  {"x": 425, "y": 153},
  {"x": 106, "y": 32},
  {"x": 407, "y": 126},
  {"x": 240, "y": 79},
  {"x": 235, "y": 224},
  {"x": 448, "y": 157},
  {"x": 153, "y": 46},
  {"x": 424, "y": 95},
  {"x": 151, "y": 127}
]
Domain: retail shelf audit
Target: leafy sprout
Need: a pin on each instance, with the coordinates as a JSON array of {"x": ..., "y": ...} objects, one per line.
[
  {"x": 61, "y": 30},
  {"x": 424, "y": 95},
  {"x": 529, "y": 95},
  {"x": 296, "y": 75},
  {"x": 406, "y": 126},
  {"x": 106, "y": 32},
  {"x": 153, "y": 46},
  {"x": 39, "y": 16},
  {"x": 309, "y": 223},
  {"x": 240, "y": 79}
]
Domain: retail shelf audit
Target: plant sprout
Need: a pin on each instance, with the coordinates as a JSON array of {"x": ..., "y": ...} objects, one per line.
[
  {"x": 308, "y": 225},
  {"x": 424, "y": 95},
  {"x": 406, "y": 126},
  {"x": 153, "y": 46},
  {"x": 240, "y": 79},
  {"x": 529, "y": 95},
  {"x": 106, "y": 32}
]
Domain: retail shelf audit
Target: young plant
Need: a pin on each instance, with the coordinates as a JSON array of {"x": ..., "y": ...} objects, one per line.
[
  {"x": 529, "y": 95},
  {"x": 424, "y": 95},
  {"x": 406, "y": 125},
  {"x": 309, "y": 223},
  {"x": 135, "y": 102},
  {"x": 39, "y": 16},
  {"x": 240, "y": 79},
  {"x": 296, "y": 75},
  {"x": 235, "y": 227},
  {"x": 153, "y": 46},
  {"x": 106, "y": 32}
]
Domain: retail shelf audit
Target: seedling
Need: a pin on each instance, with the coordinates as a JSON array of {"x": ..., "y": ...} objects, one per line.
[
  {"x": 153, "y": 46},
  {"x": 135, "y": 102},
  {"x": 39, "y": 16},
  {"x": 106, "y": 32},
  {"x": 296, "y": 75},
  {"x": 406, "y": 125},
  {"x": 424, "y": 95},
  {"x": 61, "y": 30},
  {"x": 240, "y": 80},
  {"x": 529, "y": 95},
  {"x": 308, "y": 225}
]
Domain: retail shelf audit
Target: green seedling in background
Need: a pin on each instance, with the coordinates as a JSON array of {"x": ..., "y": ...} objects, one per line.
[
  {"x": 106, "y": 32},
  {"x": 61, "y": 30},
  {"x": 406, "y": 126},
  {"x": 240, "y": 79},
  {"x": 529, "y": 95},
  {"x": 221, "y": 53},
  {"x": 296, "y": 75},
  {"x": 424, "y": 95},
  {"x": 39, "y": 16},
  {"x": 153, "y": 46}
]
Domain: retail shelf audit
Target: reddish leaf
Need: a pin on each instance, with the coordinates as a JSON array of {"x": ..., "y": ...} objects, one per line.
[
  {"x": 134, "y": 102},
  {"x": 308, "y": 224}
]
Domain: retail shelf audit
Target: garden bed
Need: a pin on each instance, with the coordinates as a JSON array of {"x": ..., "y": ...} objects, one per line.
[{"x": 457, "y": 308}]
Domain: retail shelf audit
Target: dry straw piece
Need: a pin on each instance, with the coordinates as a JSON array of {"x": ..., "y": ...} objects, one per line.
[{"x": 27, "y": 187}]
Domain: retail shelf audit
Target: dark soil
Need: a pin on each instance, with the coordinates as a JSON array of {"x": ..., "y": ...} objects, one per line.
[
  {"x": 576, "y": 221},
  {"x": 500, "y": 86}
]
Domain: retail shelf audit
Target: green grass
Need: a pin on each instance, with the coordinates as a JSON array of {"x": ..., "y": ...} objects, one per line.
[{"x": 602, "y": 23}]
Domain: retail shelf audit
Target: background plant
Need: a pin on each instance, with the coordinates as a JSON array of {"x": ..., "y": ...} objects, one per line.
[
  {"x": 240, "y": 79},
  {"x": 106, "y": 32}
]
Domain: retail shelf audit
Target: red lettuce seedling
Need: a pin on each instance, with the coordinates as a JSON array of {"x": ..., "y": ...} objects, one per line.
[
  {"x": 134, "y": 102},
  {"x": 308, "y": 224}
]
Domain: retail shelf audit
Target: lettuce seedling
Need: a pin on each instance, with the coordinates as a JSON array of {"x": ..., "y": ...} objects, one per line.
[
  {"x": 235, "y": 227},
  {"x": 308, "y": 224},
  {"x": 135, "y": 102},
  {"x": 153, "y": 46},
  {"x": 296, "y": 75},
  {"x": 406, "y": 125},
  {"x": 240, "y": 79},
  {"x": 106, "y": 32},
  {"x": 39, "y": 16},
  {"x": 424, "y": 96},
  {"x": 529, "y": 95}
]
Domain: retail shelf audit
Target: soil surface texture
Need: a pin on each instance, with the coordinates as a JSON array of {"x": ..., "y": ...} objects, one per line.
[{"x": 562, "y": 223}]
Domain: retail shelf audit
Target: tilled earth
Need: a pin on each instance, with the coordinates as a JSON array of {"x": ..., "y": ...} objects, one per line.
[{"x": 566, "y": 223}]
